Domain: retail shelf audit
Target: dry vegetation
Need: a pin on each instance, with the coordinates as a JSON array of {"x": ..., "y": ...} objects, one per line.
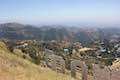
[
  {"x": 13, "y": 67},
  {"x": 116, "y": 64}
]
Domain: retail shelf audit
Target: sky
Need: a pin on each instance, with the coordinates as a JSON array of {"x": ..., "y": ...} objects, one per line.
[{"x": 102, "y": 12}]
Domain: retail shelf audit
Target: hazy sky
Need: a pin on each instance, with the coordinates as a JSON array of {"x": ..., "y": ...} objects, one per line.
[{"x": 60, "y": 11}]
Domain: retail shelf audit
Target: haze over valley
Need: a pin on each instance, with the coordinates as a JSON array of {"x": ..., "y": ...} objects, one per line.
[{"x": 59, "y": 40}]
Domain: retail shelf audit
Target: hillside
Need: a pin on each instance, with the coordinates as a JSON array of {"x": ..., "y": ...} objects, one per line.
[
  {"x": 16, "y": 31},
  {"x": 13, "y": 67}
]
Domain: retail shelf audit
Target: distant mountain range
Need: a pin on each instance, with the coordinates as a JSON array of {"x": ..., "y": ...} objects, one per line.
[{"x": 16, "y": 31}]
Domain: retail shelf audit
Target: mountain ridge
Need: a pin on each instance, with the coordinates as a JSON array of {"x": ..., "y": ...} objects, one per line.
[{"x": 17, "y": 31}]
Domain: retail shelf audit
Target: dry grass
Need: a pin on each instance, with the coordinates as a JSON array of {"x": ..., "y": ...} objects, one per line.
[
  {"x": 13, "y": 67},
  {"x": 116, "y": 64}
]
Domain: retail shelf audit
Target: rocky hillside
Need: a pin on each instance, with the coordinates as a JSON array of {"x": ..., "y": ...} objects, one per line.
[{"x": 13, "y": 67}]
